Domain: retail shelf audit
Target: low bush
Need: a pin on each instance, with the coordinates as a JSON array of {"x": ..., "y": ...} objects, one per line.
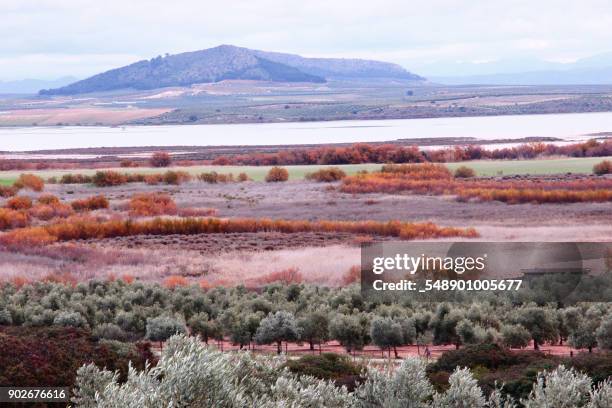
[
  {"x": 108, "y": 179},
  {"x": 604, "y": 167},
  {"x": 76, "y": 179},
  {"x": 30, "y": 181},
  {"x": 48, "y": 199},
  {"x": 46, "y": 212},
  {"x": 197, "y": 212},
  {"x": 90, "y": 228},
  {"x": 19, "y": 203},
  {"x": 8, "y": 191},
  {"x": 52, "y": 356},
  {"x": 174, "y": 281},
  {"x": 160, "y": 159},
  {"x": 10, "y": 218},
  {"x": 286, "y": 276},
  {"x": 327, "y": 175},
  {"x": 464, "y": 172},
  {"x": 328, "y": 366},
  {"x": 213, "y": 177},
  {"x": 152, "y": 204},
  {"x": 26, "y": 237},
  {"x": 90, "y": 203},
  {"x": 277, "y": 174}
]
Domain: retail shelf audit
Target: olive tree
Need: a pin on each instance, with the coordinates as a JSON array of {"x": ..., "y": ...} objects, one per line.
[
  {"x": 201, "y": 325},
  {"x": 604, "y": 334},
  {"x": 163, "y": 327},
  {"x": 314, "y": 327},
  {"x": 276, "y": 328},
  {"x": 515, "y": 335},
  {"x": 539, "y": 323},
  {"x": 386, "y": 333},
  {"x": 348, "y": 331}
]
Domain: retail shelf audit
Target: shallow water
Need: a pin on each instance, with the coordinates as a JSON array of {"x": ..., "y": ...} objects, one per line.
[{"x": 570, "y": 127}]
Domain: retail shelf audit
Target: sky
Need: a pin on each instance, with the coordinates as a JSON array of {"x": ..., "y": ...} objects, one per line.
[{"x": 47, "y": 39}]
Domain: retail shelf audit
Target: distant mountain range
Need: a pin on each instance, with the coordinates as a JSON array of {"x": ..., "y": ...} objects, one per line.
[
  {"x": 229, "y": 62},
  {"x": 578, "y": 76},
  {"x": 595, "y": 70},
  {"x": 32, "y": 86}
]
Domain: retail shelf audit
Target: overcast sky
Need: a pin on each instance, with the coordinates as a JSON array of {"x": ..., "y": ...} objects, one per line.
[{"x": 53, "y": 38}]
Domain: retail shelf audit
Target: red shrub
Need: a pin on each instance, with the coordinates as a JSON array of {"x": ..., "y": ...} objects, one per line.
[
  {"x": 90, "y": 203},
  {"x": 172, "y": 282},
  {"x": 19, "y": 203},
  {"x": 151, "y": 204},
  {"x": 286, "y": 276},
  {"x": 604, "y": 167},
  {"x": 352, "y": 275},
  {"x": 160, "y": 159},
  {"x": 6, "y": 192}
]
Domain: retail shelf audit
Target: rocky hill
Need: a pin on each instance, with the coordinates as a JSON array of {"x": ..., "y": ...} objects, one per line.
[{"x": 229, "y": 62}]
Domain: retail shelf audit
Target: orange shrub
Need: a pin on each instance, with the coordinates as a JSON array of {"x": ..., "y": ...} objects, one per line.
[
  {"x": 327, "y": 175},
  {"x": 108, "y": 178},
  {"x": 242, "y": 177},
  {"x": 13, "y": 219},
  {"x": 604, "y": 167},
  {"x": 90, "y": 203},
  {"x": 172, "y": 282},
  {"x": 286, "y": 276},
  {"x": 151, "y": 204},
  {"x": 160, "y": 159},
  {"x": 30, "y": 181},
  {"x": 277, "y": 174},
  {"x": 87, "y": 228},
  {"x": 48, "y": 199},
  {"x": 27, "y": 237},
  {"x": 418, "y": 171},
  {"x": 19, "y": 203}
]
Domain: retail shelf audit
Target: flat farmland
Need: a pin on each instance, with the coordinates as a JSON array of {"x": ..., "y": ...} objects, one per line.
[{"x": 258, "y": 173}]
